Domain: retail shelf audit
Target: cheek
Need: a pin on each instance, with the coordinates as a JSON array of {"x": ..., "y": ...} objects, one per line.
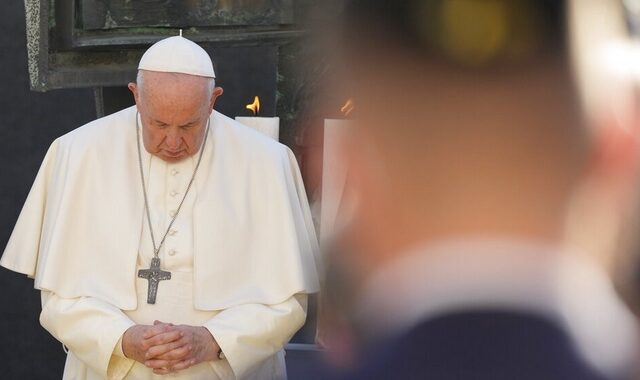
[
  {"x": 193, "y": 140},
  {"x": 153, "y": 138}
]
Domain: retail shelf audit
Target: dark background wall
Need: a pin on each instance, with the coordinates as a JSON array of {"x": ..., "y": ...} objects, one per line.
[{"x": 29, "y": 122}]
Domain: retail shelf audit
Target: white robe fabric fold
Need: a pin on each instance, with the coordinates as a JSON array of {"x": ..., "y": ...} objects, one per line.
[
  {"x": 252, "y": 336},
  {"x": 89, "y": 327},
  {"x": 79, "y": 230}
]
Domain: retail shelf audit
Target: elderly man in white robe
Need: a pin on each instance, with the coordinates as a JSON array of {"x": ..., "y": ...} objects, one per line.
[{"x": 167, "y": 238}]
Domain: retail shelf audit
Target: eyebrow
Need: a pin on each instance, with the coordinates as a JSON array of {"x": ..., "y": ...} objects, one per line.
[
  {"x": 183, "y": 125},
  {"x": 190, "y": 123}
]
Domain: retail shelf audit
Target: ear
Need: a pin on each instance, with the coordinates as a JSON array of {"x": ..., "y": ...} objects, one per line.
[
  {"x": 218, "y": 91},
  {"x": 134, "y": 90},
  {"x": 602, "y": 204},
  {"x": 615, "y": 160}
]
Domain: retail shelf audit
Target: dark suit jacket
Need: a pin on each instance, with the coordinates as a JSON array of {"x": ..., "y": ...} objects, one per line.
[{"x": 478, "y": 345}]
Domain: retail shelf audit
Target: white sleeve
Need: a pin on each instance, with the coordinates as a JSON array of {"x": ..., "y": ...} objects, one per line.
[
  {"x": 91, "y": 329},
  {"x": 249, "y": 334}
]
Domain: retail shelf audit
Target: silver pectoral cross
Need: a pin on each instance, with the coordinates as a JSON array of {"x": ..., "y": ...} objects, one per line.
[{"x": 154, "y": 275}]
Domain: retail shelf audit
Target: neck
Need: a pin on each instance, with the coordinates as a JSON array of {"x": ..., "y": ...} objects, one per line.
[{"x": 457, "y": 221}]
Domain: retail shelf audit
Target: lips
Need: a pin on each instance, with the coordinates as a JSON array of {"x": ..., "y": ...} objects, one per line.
[{"x": 173, "y": 154}]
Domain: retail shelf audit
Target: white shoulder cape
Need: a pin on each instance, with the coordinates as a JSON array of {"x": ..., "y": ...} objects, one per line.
[{"x": 79, "y": 230}]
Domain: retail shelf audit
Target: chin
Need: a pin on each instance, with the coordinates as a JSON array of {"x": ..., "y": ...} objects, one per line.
[
  {"x": 174, "y": 159},
  {"x": 178, "y": 158}
]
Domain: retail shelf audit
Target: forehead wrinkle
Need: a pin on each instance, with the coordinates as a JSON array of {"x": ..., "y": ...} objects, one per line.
[{"x": 177, "y": 92}]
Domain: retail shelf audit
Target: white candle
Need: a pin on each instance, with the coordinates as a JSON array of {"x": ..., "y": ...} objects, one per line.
[
  {"x": 334, "y": 174},
  {"x": 270, "y": 126}
]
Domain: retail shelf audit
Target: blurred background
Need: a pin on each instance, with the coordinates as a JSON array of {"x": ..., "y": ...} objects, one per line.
[{"x": 31, "y": 121}]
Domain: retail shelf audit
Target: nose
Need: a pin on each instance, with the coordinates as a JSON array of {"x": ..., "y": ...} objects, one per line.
[{"x": 174, "y": 139}]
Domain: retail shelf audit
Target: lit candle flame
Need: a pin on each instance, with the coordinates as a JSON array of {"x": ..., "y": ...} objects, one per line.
[
  {"x": 255, "y": 106},
  {"x": 348, "y": 107}
]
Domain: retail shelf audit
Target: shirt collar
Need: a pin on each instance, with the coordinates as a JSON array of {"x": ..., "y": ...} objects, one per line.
[
  {"x": 459, "y": 274},
  {"x": 503, "y": 274}
]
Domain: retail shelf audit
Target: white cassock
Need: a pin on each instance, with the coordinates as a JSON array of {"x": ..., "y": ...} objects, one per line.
[{"x": 241, "y": 251}]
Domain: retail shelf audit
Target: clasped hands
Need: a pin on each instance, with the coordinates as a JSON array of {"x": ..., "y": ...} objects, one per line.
[{"x": 168, "y": 348}]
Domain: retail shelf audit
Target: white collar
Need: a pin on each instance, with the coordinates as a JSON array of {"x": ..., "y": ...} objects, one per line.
[{"x": 503, "y": 274}]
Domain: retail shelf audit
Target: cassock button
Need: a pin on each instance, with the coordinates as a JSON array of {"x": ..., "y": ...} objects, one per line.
[
  {"x": 172, "y": 232},
  {"x": 173, "y": 193},
  {"x": 172, "y": 252},
  {"x": 174, "y": 171},
  {"x": 172, "y": 213}
]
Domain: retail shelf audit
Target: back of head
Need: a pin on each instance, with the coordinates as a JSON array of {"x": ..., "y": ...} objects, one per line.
[{"x": 468, "y": 113}]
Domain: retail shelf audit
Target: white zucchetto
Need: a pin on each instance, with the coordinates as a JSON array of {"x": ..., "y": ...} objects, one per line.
[{"x": 177, "y": 55}]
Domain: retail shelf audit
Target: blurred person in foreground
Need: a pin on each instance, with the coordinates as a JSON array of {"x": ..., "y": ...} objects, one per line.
[{"x": 469, "y": 149}]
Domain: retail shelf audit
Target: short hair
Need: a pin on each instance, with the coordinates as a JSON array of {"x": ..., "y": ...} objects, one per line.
[{"x": 472, "y": 33}]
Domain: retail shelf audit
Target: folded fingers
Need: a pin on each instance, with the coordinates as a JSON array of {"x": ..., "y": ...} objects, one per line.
[
  {"x": 164, "y": 338},
  {"x": 163, "y": 367},
  {"x": 169, "y": 351}
]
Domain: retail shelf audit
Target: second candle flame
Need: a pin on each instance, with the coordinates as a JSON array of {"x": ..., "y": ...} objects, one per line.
[{"x": 348, "y": 107}]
